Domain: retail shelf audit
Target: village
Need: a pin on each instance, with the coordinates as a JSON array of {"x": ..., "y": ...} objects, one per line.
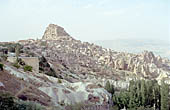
[{"x": 14, "y": 55}]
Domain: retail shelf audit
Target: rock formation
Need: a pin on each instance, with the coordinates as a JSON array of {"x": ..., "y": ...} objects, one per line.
[
  {"x": 83, "y": 57},
  {"x": 54, "y": 32},
  {"x": 87, "y": 58},
  {"x": 83, "y": 67}
]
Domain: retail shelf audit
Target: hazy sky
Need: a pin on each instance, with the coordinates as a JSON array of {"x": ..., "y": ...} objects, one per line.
[{"x": 87, "y": 20}]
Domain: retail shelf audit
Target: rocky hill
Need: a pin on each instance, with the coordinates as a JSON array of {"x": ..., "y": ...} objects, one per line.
[
  {"x": 83, "y": 58},
  {"x": 54, "y": 32},
  {"x": 73, "y": 71}
]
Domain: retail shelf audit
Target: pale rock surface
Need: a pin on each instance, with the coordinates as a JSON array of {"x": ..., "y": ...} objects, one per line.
[
  {"x": 54, "y": 32},
  {"x": 65, "y": 92},
  {"x": 1, "y": 84}
]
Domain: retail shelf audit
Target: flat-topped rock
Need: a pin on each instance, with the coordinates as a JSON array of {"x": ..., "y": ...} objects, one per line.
[{"x": 54, "y": 32}]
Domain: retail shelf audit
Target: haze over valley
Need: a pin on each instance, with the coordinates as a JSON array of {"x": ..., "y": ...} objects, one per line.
[{"x": 158, "y": 46}]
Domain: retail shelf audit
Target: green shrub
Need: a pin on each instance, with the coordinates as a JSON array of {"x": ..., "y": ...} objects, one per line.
[
  {"x": 27, "y": 68},
  {"x": 142, "y": 95},
  {"x": 109, "y": 87},
  {"x": 16, "y": 65},
  {"x": 28, "y": 105},
  {"x": 99, "y": 85},
  {"x": 6, "y": 101},
  {"x": 59, "y": 81},
  {"x": 9, "y": 102},
  {"x": 1, "y": 66}
]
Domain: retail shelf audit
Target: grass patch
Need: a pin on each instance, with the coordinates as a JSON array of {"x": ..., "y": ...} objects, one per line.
[
  {"x": 16, "y": 65},
  {"x": 59, "y": 81},
  {"x": 27, "y": 68}
]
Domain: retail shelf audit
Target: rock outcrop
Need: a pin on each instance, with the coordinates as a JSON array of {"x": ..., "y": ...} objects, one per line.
[{"x": 54, "y": 32}]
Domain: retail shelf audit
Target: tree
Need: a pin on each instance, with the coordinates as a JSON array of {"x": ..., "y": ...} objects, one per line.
[
  {"x": 149, "y": 94},
  {"x": 156, "y": 95},
  {"x": 109, "y": 87},
  {"x": 132, "y": 94},
  {"x": 164, "y": 96},
  {"x": 138, "y": 93},
  {"x": 6, "y": 101},
  {"x": 17, "y": 51},
  {"x": 124, "y": 98},
  {"x": 143, "y": 92},
  {"x": 117, "y": 100}
]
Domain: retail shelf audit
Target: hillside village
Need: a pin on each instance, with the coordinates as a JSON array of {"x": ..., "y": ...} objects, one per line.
[{"x": 59, "y": 70}]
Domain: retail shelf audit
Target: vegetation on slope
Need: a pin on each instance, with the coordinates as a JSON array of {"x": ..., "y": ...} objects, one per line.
[
  {"x": 27, "y": 68},
  {"x": 142, "y": 95},
  {"x": 1, "y": 67},
  {"x": 9, "y": 102}
]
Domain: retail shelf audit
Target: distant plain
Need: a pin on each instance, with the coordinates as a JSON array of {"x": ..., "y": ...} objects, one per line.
[{"x": 158, "y": 46}]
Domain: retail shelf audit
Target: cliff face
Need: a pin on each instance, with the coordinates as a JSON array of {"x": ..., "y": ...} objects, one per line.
[{"x": 54, "y": 32}]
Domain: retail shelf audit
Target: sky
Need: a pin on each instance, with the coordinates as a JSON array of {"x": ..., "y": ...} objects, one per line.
[{"x": 86, "y": 20}]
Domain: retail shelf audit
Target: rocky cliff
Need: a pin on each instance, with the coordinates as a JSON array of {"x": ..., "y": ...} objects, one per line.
[
  {"x": 54, "y": 32},
  {"x": 83, "y": 58}
]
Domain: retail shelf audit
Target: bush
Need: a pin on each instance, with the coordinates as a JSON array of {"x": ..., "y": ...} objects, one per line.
[
  {"x": 6, "y": 101},
  {"x": 59, "y": 81},
  {"x": 28, "y": 105},
  {"x": 1, "y": 66},
  {"x": 27, "y": 68},
  {"x": 16, "y": 65},
  {"x": 109, "y": 87},
  {"x": 9, "y": 102}
]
